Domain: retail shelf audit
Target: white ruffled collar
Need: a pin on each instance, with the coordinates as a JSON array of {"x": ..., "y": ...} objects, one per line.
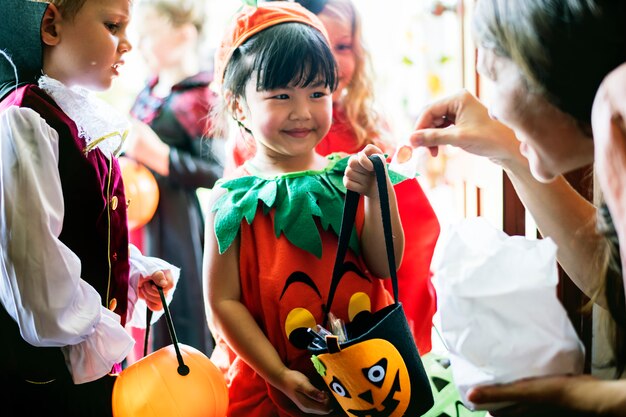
[{"x": 101, "y": 125}]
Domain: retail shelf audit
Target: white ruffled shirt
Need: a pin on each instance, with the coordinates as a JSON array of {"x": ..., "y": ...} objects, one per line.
[{"x": 40, "y": 283}]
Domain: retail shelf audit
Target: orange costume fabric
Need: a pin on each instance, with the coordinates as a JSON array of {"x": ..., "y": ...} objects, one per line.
[
  {"x": 284, "y": 287},
  {"x": 419, "y": 221}
]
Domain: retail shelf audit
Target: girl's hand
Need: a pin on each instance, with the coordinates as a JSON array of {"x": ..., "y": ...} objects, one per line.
[
  {"x": 359, "y": 175},
  {"x": 299, "y": 389},
  {"x": 464, "y": 122},
  {"x": 555, "y": 396},
  {"x": 148, "y": 291}
]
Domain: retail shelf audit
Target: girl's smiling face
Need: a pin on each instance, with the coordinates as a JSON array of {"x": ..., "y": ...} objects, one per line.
[{"x": 287, "y": 121}]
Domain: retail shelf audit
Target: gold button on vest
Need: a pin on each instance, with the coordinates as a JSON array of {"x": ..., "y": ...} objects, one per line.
[{"x": 114, "y": 202}]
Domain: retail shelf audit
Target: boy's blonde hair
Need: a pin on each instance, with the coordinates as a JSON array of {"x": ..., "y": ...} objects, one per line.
[
  {"x": 179, "y": 12},
  {"x": 358, "y": 101},
  {"x": 69, "y": 8}
]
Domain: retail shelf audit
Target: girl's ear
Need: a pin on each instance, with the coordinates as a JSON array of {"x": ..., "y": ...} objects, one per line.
[
  {"x": 50, "y": 26},
  {"x": 235, "y": 106}
]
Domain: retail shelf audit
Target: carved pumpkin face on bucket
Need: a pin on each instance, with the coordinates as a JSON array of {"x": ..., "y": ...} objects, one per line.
[{"x": 367, "y": 379}]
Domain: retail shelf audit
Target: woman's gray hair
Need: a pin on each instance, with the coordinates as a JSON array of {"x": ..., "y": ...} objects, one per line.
[{"x": 563, "y": 48}]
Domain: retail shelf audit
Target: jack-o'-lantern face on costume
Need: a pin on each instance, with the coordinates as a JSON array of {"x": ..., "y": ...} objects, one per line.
[
  {"x": 305, "y": 311},
  {"x": 380, "y": 389}
]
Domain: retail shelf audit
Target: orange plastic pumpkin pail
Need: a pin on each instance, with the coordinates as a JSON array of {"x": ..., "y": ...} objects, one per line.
[
  {"x": 152, "y": 386},
  {"x": 142, "y": 192}
]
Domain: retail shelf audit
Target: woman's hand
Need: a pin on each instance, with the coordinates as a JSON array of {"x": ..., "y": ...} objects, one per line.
[
  {"x": 462, "y": 121},
  {"x": 148, "y": 291},
  {"x": 571, "y": 396},
  {"x": 299, "y": 389}
]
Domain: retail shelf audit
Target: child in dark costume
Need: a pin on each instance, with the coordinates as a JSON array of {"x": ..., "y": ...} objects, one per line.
[
  {"x": 69, "y": 279},
  {"x": 170, "y": 139}
]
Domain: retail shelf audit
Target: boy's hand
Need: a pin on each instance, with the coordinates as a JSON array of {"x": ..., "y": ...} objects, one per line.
[
  {"x": 148, "y": 291},
  {"x": 359, "y": 175}
]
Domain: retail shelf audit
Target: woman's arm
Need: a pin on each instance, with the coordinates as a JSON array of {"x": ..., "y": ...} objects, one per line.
[
  {"x": 574, "y": 396},
  {"x": 565, "y": 216},
  {"x": 560, "y": 212}
]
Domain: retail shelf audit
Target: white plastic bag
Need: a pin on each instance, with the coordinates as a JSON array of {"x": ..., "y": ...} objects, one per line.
[{"x": 500, "y": 315}]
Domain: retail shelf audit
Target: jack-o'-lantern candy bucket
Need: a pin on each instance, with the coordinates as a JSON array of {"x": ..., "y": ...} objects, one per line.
[
  {"x": 378, "y": 373},
  {"x": 377, "y": 370}
]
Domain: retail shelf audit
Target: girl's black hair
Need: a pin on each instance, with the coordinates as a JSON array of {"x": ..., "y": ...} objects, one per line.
[
  {"x": 314, "y": 6},
  {"x": 285, "y": 55}
]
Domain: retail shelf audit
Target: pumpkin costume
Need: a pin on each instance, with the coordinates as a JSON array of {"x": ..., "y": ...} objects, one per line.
[
  {"x": 419, "y": 221},
  {"x": 288, "y": 227}
]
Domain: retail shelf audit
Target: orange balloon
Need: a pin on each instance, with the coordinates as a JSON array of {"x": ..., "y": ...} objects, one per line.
[
  {"x": 142, "y": 192},
  {"x": 152, "y": 386}
]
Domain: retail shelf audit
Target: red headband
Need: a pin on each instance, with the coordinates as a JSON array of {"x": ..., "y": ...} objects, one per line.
[{"x": 251, "y": 20}]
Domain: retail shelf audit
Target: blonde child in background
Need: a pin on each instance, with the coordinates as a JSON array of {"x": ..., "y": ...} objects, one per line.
[
  {"x": 169, "y": 137},
  {"x": 355, "y": 125},
  {"x": 69, "y": 279},
  {"x": 268, "y": 266}
]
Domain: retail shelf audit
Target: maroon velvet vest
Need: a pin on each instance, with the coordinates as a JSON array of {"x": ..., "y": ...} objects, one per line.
[{"x": 94, "y": 228}]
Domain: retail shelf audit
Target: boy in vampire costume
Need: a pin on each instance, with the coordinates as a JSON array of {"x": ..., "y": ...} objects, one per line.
[{"x": 69, "y": 279}]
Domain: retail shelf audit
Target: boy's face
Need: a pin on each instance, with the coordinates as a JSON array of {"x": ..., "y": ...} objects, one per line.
[
  {"x": 87, "y": 50},
  {"x": 162, "y": 44}
]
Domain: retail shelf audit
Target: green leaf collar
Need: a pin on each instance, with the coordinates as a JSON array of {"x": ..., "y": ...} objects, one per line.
[{"x": 298, "y": 198}]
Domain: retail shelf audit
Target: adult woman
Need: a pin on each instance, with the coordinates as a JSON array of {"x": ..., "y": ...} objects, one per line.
[{"x": 543, "y": 96}]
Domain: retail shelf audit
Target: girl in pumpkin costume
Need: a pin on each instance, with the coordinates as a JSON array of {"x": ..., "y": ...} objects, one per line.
[
  {"x": 356, "y": 124},
  {"x": 272, "y": 232}
]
